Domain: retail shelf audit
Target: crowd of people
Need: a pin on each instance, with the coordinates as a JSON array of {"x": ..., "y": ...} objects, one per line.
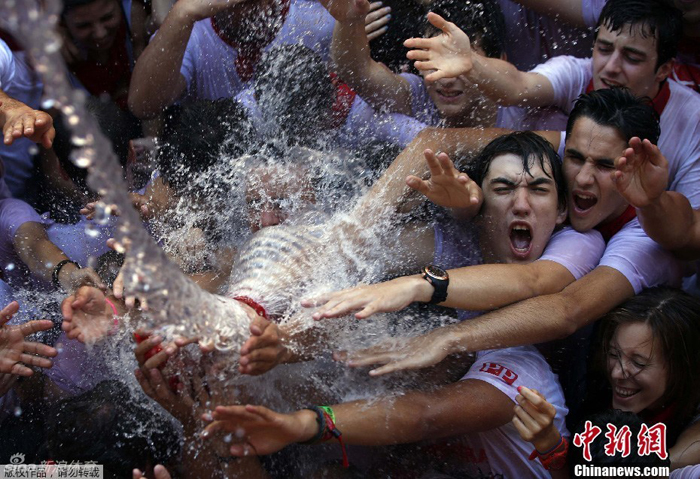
[{"x": 518, "y": 187}]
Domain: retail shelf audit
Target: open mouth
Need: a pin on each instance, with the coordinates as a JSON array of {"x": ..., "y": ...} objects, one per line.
[
  {"x": 521, "y": 239},
  {"x": 584, "y": 202},
  {"x": 448, "y": 95}
]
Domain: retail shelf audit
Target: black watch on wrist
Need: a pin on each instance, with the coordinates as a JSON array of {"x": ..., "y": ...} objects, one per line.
[{"x": 439, "y": 278}]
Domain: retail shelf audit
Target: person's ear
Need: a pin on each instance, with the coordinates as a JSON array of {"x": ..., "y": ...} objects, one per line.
[
  {"x": 562, "y": 214},
  {"x": 664, "y": 71}
]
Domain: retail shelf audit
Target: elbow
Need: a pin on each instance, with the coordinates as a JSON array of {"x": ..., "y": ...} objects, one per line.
[
  {"x": 570, "y": 317},
  {"x": 139, "y": 106}
]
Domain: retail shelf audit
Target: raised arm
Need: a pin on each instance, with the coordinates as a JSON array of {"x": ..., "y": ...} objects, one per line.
[
  {"x": 641, "y": 177},
  {"x": 156, "y": 81},
  {"x": 536, "y": 320},
  {"x": 450, "y": 55},
  {"x": 375, "y": 83},
  {"x": 467, "y": 406}
]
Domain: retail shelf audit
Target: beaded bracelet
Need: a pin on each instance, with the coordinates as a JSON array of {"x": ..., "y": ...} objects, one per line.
[{"x": 325, "y": 418}]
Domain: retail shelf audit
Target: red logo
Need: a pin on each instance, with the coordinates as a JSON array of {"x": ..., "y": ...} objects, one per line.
[{"x": 502, "y": 372}]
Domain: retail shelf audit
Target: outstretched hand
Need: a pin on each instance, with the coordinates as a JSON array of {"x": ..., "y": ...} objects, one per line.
[
  {"x": 264, "y": 430},
  {"x": 371, "y": 299},
  {"x": 448, "y": 54},
  {"x": 399, "y": 355},
  {"x": 22, "y": 121},
  {"x": 86, "y": 315},
  {"x": 264, "y": 349},
  {"x": 534, "y": 419},
  {"x": 17, "y": 354},
  {"x": 641, "y": 174},
  {"x": 447, "y": 187}
]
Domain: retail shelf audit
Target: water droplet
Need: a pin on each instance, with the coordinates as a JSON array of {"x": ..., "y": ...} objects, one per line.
[
  {"x": 17, "y": 411},
  {"x": 228, "y": 438},
  {"x": 33, "y": 149},
  {"x": 10, "y": 266},
  {"x": 91, "y": 231}
]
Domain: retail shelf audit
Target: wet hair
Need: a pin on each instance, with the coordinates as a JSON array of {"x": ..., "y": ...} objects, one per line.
[
  {"x": 654, "y": 18},
  {"x": 198, "y": 135},
  {"x": 481, "y": 20},
  {"x": 598, "y": 456},
  {"x": 293, "y": 85},
  {"x": 531, "y": 148},
  {"x": 408, "y": 21},
  {"x": 108, "y": 425},
  {"x": 620, "y": 109},
  {"x": 674, "y": 319}
]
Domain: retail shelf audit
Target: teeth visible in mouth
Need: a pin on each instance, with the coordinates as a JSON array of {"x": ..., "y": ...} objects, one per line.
[
  {"x": 520, "y": 238},
  {"x": 450, "y": 94},
  {"x": 625, "y": 393},
  {"x": 584, "y": 202}
]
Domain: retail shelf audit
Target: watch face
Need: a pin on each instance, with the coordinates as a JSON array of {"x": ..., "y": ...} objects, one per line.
[{"x": 436, "y": 272}]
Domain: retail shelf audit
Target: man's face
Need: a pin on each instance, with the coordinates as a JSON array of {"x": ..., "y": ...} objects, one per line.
[
  {"x": 273, "y": 194},
  {"x": 457, "y": 99},
  {"x": 95, "y": 25},
  {"x": 627, "y": 58},
  {"x": 520, "y": 211},
  {"x": 589, "y": 160}
]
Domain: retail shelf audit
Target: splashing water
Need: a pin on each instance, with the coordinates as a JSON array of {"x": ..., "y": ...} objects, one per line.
[{"x": 174, "y": 299}]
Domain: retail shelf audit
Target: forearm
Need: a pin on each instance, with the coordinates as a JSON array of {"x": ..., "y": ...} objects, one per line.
[
  {"x": 41, "y": 256},
  {"x": 506, "y": 85},
  {"x": 456, "y": 409},
  {"x": 375, "y": 83},
  {"x": 156, "y": 81},
  {"x": 391, "y": 191},
  {"x": 543, "y": 318},
  {"x": 672, "y": 222},
  {"x": 491, "y": 286}
]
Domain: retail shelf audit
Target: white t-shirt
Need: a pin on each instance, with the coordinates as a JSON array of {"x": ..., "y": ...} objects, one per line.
[
  {"x": 631, "y": 252},
  {"x": 20, "y": 82},
  {"x": 209, "y": 63},
  {"x": 504, "y": 450}
]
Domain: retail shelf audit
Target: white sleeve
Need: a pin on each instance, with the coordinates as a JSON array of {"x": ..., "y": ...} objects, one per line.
[
  {"x": 577, "y": 252},
  {"x": 188, "y": 69},
  {"x": 687, "y": 472},
  {"x": 644, "y": 263},
  {"x": 590, "y": 9},
  {"x": 7, "y": 65},
  {"x": 569, "y": 77}
]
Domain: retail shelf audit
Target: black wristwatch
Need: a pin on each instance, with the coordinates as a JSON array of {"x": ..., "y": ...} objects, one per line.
[{"x": 439, "y": 278}]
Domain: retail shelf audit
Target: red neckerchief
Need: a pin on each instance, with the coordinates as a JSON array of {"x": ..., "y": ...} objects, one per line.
[
  {"x": 608, "y": 230},
  {"x": 660, "y": 100},
  {"x": 663, "y": 416},
  {"x": 344, "y": 98},
  {"x": 687, "y": 75},
  {"x": 112, "y": 78},
  {"x": 249, "y": 53}
]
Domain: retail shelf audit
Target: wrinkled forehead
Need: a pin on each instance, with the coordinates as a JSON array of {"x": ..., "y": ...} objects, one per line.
[{"x": 514, "y": 168}]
